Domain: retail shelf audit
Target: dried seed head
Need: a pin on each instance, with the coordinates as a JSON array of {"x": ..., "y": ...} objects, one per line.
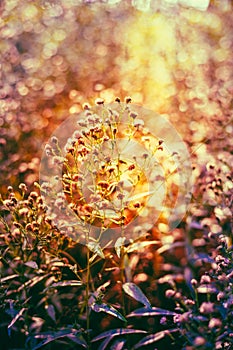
[
  {"x": 13, "y": 201},
  {"x": 99, "y": 101},
  {"x": 29, "y": 227},
  {"x": 145, "y": 155},
  {"x": 48, "y": 220},
  {"x": 48, "y": 150},
  {"x": 163, "y": 320},
  {"x": 205, "y": 279},
  {"x": 77, "y": 134},
  {"x": 194, "y": 282},
  {"x": 108, "y": 159},
  {"x": 215, "y": 323},
  {"x": 103, "y": 184},
  {"x": 104, "y": 205},
  {"x": 35, "y": 224},
  {"x": 199, "y": 341},
  {"x": 23, "y": 211},
  {"x": 95, "y": 198},
  {"x": 7, "y": 202},
  {"x": 117, "y": 99},
  {"x": 23, "y": 187},
  {"x": 137, "y": 205},
  {"x": 131, "y": 167},
  {"x": 133, "y": 115},
  {"x": 33, "y": 195},
  {"x": 10, "y": 189},
  {"x": 120, "y": 196},
  {"x": 16, "y": 233},
  {"x": 86, "y": 106},
  {"x": 178, "y": 295},
  {"x": 170, "y": 293},
  {"x": 77, "y": 177},
  {"x": 88, "y": 208},
  {"x": 207, "y": 307},
  {"x": 82, "y": 122},
  {"x": 111, "y": 169},
  {"x": 189, "y": 302},
  {"x": 54, "y": 140},
  {"x": 128, "y": 99},
  {"x": 138, "y": 122},
  {"x": 58, "y": 160},
  {"x": 88, "y": 113}
]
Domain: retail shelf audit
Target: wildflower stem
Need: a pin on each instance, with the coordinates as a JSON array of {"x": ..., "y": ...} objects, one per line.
[
  {"x": 87, "y": 298},
  {"x": 122, "y": 272}
]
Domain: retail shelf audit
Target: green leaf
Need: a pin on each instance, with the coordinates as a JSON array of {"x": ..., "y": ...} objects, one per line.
[
  {"x": 32, "y": 282},
  {"x": 170, "y": 246},
  {"x": 94, "y": 256},
  {"x": 153, "y": 311},
  {"x": 32, "y": 264},
  {"x": 51, "y": 312},
  {"x": 17, "y": 316},
  {"x": 118, "y": 245},
  {"x": 154, "y": 337},
  {"x": 118, "y": 331},
  {"x": 95, "y": 248},
  {"x": 140, "y": 195},
  {"x": 139, "y": 245},
  {"x": 108, "y": 309},
  {"x": 77, "y": 340},
  {"x": 52, "y": 336},
  {"x": 118, "y": 344},
  {"x": 69, "y": 283},
  {"x": 135, "y": 292},
  {"x": 207, "y": 288},
  {"x": 7, "y": 278},
  {"x": 105, "y": 343}
]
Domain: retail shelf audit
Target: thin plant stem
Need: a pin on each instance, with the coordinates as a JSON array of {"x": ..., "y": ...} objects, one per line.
[
  {"x": 122, "y": 274},
  {"x": 87, "y": 298}
]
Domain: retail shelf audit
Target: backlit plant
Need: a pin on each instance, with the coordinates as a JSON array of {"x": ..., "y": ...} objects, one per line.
[{"x": 113, "y": 175}]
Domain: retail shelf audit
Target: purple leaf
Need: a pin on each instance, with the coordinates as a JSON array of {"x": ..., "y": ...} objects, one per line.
[
  {"x": 52, "y": 336},
  {"x": 70, "y": 283},
  {"x": 118, "y": 331},
  {"x": 154, "y": 337},
  {"x": 108, "y": 309},
  {"x": 135, "y": 292},
  {"x": 17, "y": 316},
  {"x": 153, "y": 311}
]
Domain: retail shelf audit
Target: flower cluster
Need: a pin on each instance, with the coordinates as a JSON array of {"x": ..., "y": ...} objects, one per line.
[{"x": 111, "y": 173}]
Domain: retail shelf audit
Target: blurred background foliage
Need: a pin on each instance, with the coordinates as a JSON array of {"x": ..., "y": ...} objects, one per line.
[{"x": 171, "y": 56}]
